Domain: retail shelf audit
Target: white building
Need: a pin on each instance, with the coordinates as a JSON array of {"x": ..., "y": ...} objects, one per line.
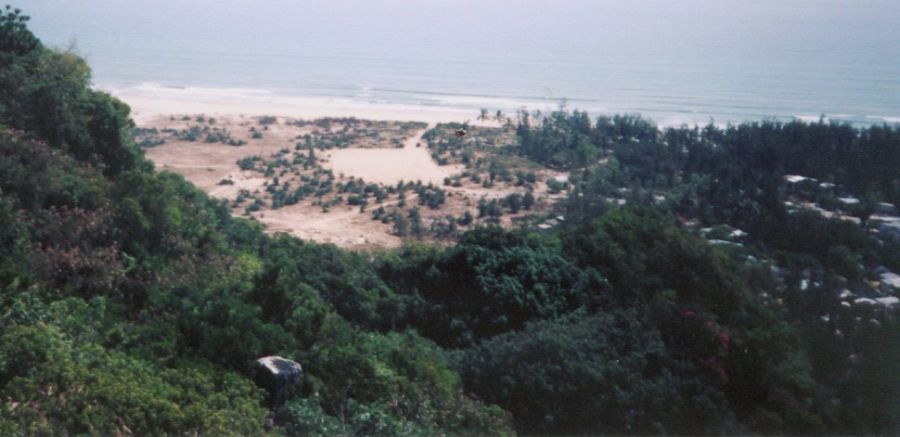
[{"x": 891, "y": 279}]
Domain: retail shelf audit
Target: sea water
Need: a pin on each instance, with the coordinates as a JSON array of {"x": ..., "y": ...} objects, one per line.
[{"x": 683, "y": 61}]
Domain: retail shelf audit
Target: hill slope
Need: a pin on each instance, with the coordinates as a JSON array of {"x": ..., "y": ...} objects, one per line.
[{"x": 130, "y": 302}]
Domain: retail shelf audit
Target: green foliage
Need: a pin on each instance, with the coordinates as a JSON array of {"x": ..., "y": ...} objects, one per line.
[
  {"x": 493, "y": 281},
  {"x": 681, "y": 279},
  {"x": 528, "y": 200},
  {"x": 39, "y": 177},
  {"x": 342, "y": 279},
  {"x": 394, "y": 384},
  {"x": 559, "y": 140},
  {"x": 15, "y": 38},
  {"x": 642, "y": 253},
  {"x": 199, "y": 295},
  {"x": 871, "y": 395},
  {"x": 132, "y": 303},
  {"x": 602, "y": 374},
  {"x": 52, "y": 386},
  {"x": 513, "y": 202},
  {"x": 267, "y": 119},
  {"x": 569, "y": 140},
  {"x": 47, "y": 92},
  {"x": 248, "y": 163},
  {"x": 305, "y": 417}
]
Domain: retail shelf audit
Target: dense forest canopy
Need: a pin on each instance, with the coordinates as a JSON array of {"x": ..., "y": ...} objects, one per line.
[{"x": 131, "y": 302}]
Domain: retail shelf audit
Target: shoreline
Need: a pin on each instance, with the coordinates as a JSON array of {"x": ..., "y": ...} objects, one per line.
[
  {"x": 148, "y": 104},
  {"x": 148, "y": 101}
]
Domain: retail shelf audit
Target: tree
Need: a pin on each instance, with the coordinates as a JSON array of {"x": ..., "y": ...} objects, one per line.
[
  {"x": 483, "y": 115},
  {"x": 415, "y": 220},
  {"x": 466, "y": 219},
  {"x": 513, "y": 202},
  {"x": 528, "y": 200},
  {"x": 603, "y": 374},
  {"x": 494, "y": 281},
  {"x": 401, "y": 225},
  {"x": 15, "y": 38}
]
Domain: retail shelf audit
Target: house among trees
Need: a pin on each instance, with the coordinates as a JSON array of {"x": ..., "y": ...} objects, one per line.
[
  {"x": 890, "y": 279},
  {"x": 848, "y": 200},
  {"x": 551, "y": 223},
  {"x": 723, "y": 232},
  {"x": 890, "y": 231},
  {"x": 885, "y": 208},
  {"x": 888, "y": 301},
  {"x": 827, "y": 188},
  {"x": 797, "y": 183}
]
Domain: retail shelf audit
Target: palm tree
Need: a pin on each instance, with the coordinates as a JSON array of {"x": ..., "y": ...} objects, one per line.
[
  {"x": 483, "y": 115},
  {"x": 499, "y": 116}
]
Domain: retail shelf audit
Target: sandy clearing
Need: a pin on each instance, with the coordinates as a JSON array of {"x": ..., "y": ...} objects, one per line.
[
  {"x": 327, "y": 218},
  {"x": 390, "y": 166},
  {"x": 206, "y": 164},
  {"x": 343, "y": 227}
]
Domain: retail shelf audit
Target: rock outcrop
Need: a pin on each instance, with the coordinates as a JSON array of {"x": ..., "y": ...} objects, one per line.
[{"x": 280, "y": 376}]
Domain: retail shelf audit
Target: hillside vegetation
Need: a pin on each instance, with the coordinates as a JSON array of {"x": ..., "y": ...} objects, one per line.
[{"x": 133, "y": 303}]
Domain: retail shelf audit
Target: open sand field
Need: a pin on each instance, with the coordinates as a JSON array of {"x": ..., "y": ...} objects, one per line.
[
  {"x": 390, "y": 166},
  {"x": 343, "y": 181}
]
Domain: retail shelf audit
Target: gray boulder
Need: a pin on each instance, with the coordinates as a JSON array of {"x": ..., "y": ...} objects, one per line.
[{"x": 279, "y": 376}]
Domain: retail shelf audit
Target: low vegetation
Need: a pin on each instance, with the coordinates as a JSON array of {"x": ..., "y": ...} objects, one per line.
[{"x": 133, "y": 303}]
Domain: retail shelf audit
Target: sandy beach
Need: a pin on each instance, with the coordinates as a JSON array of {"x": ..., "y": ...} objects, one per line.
[{"x": 153, "y": 101}]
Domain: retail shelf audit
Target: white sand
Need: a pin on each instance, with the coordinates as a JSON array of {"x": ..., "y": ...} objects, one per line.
[
  {"x": 390, "y": 166},
  {"x": 150, "y": 102}
]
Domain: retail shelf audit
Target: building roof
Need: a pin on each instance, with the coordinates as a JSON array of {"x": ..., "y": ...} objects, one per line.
[
  {"x": 888, "y": 301},
  {"x": 891, "y": 278},
  {"x": 863, "y": 301},
  {"x": 882, "y": 218}
]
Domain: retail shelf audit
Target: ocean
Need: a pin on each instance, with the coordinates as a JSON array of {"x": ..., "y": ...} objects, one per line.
[{"x": 685, "y": 61}]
